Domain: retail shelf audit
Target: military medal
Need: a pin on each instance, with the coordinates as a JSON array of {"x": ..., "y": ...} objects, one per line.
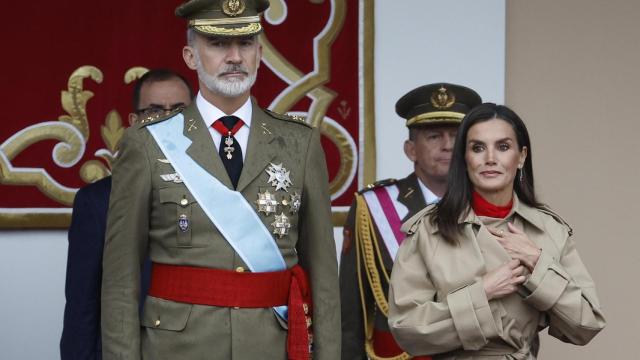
[
  {"x": 183, "y": 223},
  {"x": 228, "y": 133},
  {"x": 279, "y": 176},
  {"x": 294, "y": 202},
  {"x": 175, "y": 178},
  {"x": 229, "y": 149},
  {"x": 281, "y": 225},
  {"x": 267, "y": 203}
]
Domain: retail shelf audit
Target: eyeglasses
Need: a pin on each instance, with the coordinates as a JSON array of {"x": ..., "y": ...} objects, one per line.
[{"x": 152, "y": 111}]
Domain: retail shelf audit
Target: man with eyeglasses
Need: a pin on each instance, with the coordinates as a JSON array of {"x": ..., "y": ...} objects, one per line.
[
  {"x": 231, "y": 203},
  {"x": 156, "y": 93}
]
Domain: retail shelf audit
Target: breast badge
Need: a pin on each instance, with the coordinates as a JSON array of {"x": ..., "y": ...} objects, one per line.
[
  {"x": 267, "y": 203},
  {"x": 281, "y": 225},
  {"x": 279, "y": 177},
  {"x": 175, "y": 178},
  {"x": 294, "y": 202},
  {"x": 183, "y": 223}
]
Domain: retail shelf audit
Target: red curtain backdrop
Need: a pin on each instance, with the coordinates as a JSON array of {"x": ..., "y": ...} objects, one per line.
[{"x": 316, "y": 41}]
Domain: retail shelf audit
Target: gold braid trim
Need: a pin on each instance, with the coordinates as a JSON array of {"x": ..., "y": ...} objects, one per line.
[{"x": 366, "y": 241}]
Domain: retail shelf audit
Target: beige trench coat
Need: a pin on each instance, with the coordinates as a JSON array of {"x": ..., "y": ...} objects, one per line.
[{"x": 437, "y": 303}]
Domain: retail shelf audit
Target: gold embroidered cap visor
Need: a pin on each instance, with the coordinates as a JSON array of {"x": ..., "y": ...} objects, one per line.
[
  {"x": 224, "y": 17},
  {"x": 437, "y": 104}
]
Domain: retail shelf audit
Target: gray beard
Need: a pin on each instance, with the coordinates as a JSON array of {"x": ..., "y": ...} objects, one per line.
[{"x": 225, "y": 88}]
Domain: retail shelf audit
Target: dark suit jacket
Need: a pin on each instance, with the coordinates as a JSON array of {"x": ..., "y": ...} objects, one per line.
[{"x": 81, "y": 331}]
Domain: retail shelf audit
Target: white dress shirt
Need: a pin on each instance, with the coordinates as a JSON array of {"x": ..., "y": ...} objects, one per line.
[
  {"x": 429, "y": 196},
  {"x": 210, "y": 113}
]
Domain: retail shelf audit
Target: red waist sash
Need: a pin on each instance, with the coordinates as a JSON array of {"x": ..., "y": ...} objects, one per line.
[
  {"x": 214, "y": 287},
  {"x": 384, "y": 345}
]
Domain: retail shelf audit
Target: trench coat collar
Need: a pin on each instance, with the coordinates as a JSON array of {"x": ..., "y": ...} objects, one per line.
[{"x": 526, "y": 212}]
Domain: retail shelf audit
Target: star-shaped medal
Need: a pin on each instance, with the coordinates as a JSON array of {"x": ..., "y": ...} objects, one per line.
[
  {"x": 278, "y": 176},
  {"x": 267, "y": 203},
  {"x": 281, "y": 226}
]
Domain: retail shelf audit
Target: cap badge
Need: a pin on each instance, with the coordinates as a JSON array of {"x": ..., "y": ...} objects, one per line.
[
  {"x": 233, "y": 7},
  {"x": 442, "y": 99}
]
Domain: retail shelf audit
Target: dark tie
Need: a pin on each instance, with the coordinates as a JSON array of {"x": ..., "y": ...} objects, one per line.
[{"x": 230, "y": 151}]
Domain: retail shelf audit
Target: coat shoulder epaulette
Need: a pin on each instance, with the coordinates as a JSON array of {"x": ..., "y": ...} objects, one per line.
[
  {"x": 286, "y": 117},
  {"x": 378, "y": 184},
  {"x": 547, "y": 210},
  {"x": 158, "y": 118},
  {"x": 410, "y": 226}
]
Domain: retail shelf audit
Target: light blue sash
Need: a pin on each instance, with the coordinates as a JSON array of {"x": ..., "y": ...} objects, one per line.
[{"x": 228, "y": 210}]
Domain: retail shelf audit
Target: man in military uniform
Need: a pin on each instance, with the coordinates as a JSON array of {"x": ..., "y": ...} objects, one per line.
[
  {"x": 372, "y": 233},
  {"x": 231, "y": 204},
  {"x": 157, "y": 91}
]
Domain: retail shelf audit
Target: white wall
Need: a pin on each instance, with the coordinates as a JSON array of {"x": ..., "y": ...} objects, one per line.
[
  {"x": 32, "y": 275},
  {"x": 424, "y": 41},
  {"x": 417, "y": 42}
]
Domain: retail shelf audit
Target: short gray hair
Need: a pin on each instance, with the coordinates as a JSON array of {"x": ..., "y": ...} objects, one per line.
[{"x": 191, "y": 37}]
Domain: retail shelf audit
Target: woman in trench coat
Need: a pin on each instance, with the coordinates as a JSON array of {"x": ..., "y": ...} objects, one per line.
[{"x": 489, "y": 266}]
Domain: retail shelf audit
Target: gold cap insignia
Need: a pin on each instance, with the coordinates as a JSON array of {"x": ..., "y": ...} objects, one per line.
[
  {"x": 442, "y": 99},
  {"x": 233, "y": 7}
]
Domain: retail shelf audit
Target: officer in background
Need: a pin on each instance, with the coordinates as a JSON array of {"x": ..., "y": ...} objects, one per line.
[
  {"x": 372, "y": 233},
  {"x": 231, "y": 203}
]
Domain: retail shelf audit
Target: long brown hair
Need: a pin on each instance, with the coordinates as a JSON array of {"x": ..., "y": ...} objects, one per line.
[{"x": 457, "y": 200}]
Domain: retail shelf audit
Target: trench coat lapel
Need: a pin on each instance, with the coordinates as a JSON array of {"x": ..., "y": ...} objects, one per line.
[
  {"x": 202, "y": 149},
  {"x": 260, "y": 150},
  {"x": 493, "y": 253}
]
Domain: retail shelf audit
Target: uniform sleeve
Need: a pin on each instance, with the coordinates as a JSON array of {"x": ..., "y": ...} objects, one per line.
[
  {"x": 563, "y": 288},
  {"x": 81, "y": 328},
  {"x": 317, "y": 253},
  {"x": 352, "y": 316},
  {"x": 125, "y": 248},
  {"x": 425, "y": 325}
]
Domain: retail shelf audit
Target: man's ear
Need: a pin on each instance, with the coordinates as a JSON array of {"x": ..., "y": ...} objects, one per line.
[
  {"x": 410, "y": 150},
  {"x": 189, "y": 56},
  {"x": 133, "y": 118}
]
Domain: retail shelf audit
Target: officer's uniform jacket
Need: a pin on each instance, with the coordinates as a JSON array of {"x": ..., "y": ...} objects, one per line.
[
  {"x": 437, "y": 303},
  {"x": 144, "y": 218},
  {"x": 353, "y": 334}
]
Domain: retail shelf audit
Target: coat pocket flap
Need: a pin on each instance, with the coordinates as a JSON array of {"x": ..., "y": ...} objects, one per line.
[
  {"x": 176, "y": 195},
  {"x": 165, "y": 314}
]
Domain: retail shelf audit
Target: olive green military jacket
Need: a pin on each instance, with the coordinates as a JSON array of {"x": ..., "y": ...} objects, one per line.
[
  {"x": 437, "y": 303},
  {"x": 143, "y": 221},
  {"x": 353, "y": 334}
]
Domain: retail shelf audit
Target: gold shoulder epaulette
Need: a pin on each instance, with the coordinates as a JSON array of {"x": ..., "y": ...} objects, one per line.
[
  {"x": 157, "y": 118},
  {"x": 377, "y": 184},
  {"x": 286, "y": 117},
  {"x": 547, "y": 210}
]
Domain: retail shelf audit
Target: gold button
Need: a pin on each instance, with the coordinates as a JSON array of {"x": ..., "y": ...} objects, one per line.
[
  {"x": 305, "y": 307},
  {"x": 285, "y": 202},
  {"x": 184, "y": 202},
  {"x": 308, "y": 322},
  {"x": 239, "y": 269},
  {"x": 157, "y": 322}
]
